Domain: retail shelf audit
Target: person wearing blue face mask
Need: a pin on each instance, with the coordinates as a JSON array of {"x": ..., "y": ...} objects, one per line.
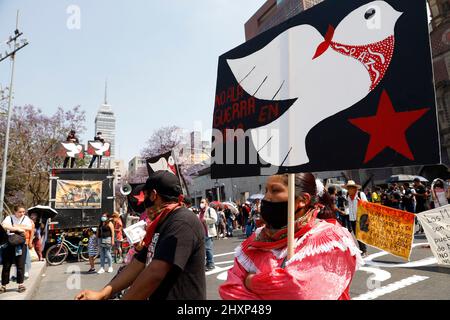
[{"x": 105, "y": 236}]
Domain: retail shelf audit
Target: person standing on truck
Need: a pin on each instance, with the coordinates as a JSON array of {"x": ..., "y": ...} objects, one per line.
[
  {"x": 98, "y": 138},
  {"x": 105, "y": 235},
  {"x": 73, "y": 139}
]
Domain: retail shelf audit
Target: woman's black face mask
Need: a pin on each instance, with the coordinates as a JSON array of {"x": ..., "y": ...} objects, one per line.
[
  {"x": 148, "y": 203},
  {"x": 275, "y": 214}
]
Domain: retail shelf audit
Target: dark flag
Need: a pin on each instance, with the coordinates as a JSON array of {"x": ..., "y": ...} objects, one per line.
[{"x": 166, "y": 162}]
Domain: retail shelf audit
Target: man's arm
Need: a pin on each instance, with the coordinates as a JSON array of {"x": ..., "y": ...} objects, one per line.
[
  {"x": 148, "y": 281},
  {"x": 122, "y": 281}
]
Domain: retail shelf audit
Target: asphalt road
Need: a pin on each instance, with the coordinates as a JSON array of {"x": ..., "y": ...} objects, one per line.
[{"x": 384, "y": 277}]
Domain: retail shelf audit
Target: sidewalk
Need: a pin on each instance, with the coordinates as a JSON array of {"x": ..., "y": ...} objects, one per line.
[{"x": 36, "y": 273}]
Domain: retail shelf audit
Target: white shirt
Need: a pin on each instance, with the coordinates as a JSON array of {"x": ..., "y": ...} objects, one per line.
[
  {"x": 353, "y": 204},
  {"x": 24, "y": 221}
]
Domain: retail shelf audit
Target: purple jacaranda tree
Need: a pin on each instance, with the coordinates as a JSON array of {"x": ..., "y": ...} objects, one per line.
[{"x": 33, "y": 145}]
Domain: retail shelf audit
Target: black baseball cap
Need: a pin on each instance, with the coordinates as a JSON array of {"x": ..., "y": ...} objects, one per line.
[{"x": 165, "y": 183}]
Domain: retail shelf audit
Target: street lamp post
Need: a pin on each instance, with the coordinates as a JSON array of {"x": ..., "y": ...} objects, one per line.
[
  {"x": 218, "y": 190},
  {"x": 16, "y": 47}
]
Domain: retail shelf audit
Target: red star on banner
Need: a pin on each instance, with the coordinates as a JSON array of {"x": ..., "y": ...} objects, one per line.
[
  {"x": 140, "y": 198},
  {"x": 388, "y": 128}
]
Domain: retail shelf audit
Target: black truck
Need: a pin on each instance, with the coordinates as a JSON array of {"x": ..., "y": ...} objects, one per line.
[{"x": 80, "y": 196}]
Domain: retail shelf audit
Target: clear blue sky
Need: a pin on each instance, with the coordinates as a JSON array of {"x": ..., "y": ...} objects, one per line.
[{"x": 159, "y": 56}]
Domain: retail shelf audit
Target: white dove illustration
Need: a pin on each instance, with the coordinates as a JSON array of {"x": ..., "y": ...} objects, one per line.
[
  {"x": 325, "y": 75},
  {"x": 72, "y": 149},
  {"x": 100, "y": 148},
  {"x": 163, "y": 164}
]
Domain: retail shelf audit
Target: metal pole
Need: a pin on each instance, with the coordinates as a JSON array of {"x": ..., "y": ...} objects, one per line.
[
  {"x": 291, "y": 215},
  {"x": 8, "y": 123}
]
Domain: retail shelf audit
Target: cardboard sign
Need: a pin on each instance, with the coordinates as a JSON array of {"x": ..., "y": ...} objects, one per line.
[
  {"x": 436, "y": 224},
  {"x": 385, "y": 228},
  {"x": 71, "y": 150},
  {"x": 97, "y": 148},
  {"x": 351, "y": 79}
]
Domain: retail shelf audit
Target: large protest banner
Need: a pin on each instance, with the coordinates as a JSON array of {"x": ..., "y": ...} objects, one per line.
[
  {"x": 436, "y": 224},
  {"x": 282, "y": 96},
  {"x": 74, "y": 194},
  {"x": 385, "y": 228}
]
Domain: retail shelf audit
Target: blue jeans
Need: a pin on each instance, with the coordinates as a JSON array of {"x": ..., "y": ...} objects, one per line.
[
  {"x": 105, "y": 253},
  {"x": 229, "y": 227},
  {"x": 209, "y": 246},
  {"x": 28, "y": 261}
]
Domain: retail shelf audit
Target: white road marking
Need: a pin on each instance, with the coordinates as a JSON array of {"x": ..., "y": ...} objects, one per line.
[
  {"x": 390, "y": 288},
  {"x": 419, "y": 263},
  {"x": 224, "y": 262},
  {"x": 218, "y": 270},
  {"x": 379, "y": 275},
  {"x": 222, "y": 276},
  {"x": 224, "y": 254}
]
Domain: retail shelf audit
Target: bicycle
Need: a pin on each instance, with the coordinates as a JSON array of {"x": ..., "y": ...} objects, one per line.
[{"x": 59, "y": 252}]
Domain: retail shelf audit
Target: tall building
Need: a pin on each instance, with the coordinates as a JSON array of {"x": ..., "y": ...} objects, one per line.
[
  {"x": 440, "y": 45},
  {"x": 137, "y": 169},
  {"x": 105, "y": 122},
  {"x": 119, "y": 170},
  {"x": 274, "y": 12}
]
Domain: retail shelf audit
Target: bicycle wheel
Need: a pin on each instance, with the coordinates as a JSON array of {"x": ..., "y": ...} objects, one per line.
[
  {"x": 56, "y": 254},
  {"x": 84, "y": 253}
]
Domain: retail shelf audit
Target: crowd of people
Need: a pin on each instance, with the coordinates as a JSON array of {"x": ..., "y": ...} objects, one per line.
[
  {"x": 178, "y": 248},
  {"x": 414, "y": 197}
]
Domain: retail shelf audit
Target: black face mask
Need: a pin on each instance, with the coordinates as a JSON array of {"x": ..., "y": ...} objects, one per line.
[
  {"x": 275, "y": 213},
  {"x": 148, "y": 203}
]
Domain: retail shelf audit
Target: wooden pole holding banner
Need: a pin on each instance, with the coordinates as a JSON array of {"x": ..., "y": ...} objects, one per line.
[{"x": 291, "y": 215}]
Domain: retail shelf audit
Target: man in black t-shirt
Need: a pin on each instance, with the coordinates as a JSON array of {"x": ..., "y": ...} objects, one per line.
[
  {"x": 172, "y": 265},
  {"x": 421, "y": 195},
  {"x": 408, "y": 198}
]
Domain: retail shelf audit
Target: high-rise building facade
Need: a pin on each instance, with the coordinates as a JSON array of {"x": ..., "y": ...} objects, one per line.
[
  {"x": 105, "y": 122},
  {"x": 440, "y": 44}
]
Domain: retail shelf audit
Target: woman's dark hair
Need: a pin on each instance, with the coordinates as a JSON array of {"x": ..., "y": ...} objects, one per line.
[
  {"x": 331, "y": 189},
  {"x": 306, "y": 183},
  {"x": 17, "y": 207},
  {"x": 439, "y": 184}
]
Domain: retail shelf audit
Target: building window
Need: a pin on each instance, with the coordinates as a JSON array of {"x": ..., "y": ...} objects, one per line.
[{"x": 269, "y": 13}]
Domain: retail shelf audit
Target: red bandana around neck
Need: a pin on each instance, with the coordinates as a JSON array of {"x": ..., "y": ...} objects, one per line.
[
  {"x": 161, "y": 214},
  {"x": 279, "y": 239},
  {"x": 376, "y": 57}
]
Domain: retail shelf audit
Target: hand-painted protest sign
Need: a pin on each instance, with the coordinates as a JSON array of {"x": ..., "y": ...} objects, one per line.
[
  {"x": 97, "y": 148},
  {"x": 327, "y": 75},
  {"x": 385, "y": 228},
  {"x": 75, "y": 194},
  {"x": 436, "y": 224}
]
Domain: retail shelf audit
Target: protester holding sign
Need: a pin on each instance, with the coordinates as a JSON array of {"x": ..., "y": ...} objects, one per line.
[
  {"x": 439, "y": 193},
  {"x": 325, "y": 257},
  {"x": 354, "y": 195}
]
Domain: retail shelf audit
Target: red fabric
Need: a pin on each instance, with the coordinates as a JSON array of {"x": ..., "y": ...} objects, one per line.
[
  {"x": 326, "y": 43},
  {"x": 376, "y": 57},
  {"x": 160, "y": 216},
  {"x": 314, "y": 273}
]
